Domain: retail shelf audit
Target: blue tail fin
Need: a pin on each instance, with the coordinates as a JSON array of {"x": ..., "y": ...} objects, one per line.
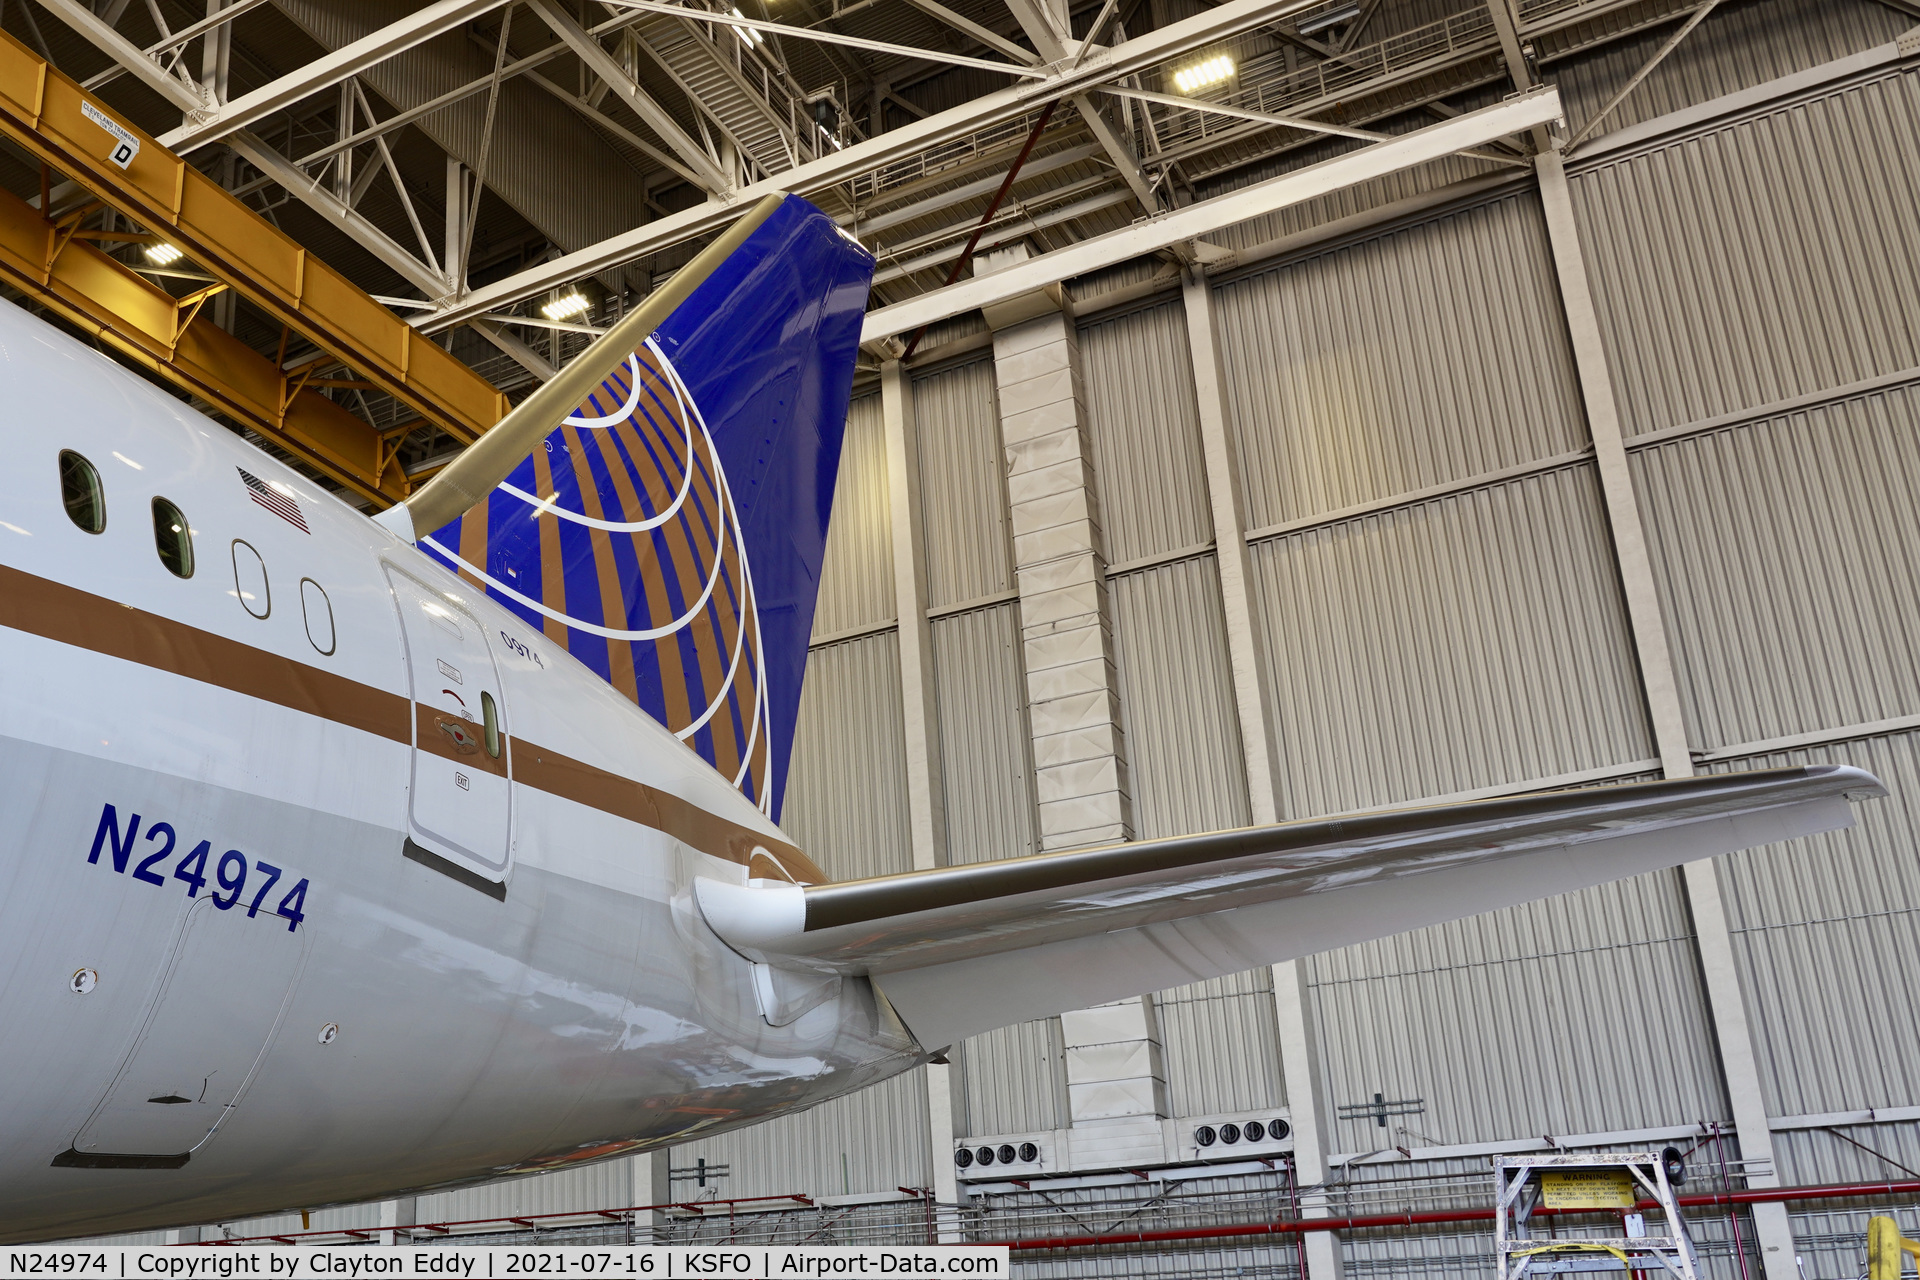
[{"x": 670, "y": 532}]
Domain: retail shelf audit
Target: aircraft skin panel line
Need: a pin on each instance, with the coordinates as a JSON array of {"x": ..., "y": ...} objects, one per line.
[{"x": 330, "y": 874}]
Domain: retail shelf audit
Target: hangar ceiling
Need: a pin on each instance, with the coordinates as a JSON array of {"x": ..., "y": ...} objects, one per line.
[{"x": 465, "y": 160}]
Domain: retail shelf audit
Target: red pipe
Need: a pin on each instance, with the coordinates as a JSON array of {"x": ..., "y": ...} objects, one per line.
[
  {"x": 1769, "y": 1195},
  {"x": 1006, "y": 185}
]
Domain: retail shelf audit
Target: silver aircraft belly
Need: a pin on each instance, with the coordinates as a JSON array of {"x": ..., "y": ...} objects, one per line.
[{"x": 411, "y": 1033}]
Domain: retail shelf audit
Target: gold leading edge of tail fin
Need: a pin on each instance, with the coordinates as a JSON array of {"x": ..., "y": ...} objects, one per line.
[{"x": 471, "y": 476}]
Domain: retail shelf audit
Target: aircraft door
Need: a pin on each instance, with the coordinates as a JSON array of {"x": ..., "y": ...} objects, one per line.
[
  {"x": 223, "y": 994},
  {"x": 459, "y": 803}
]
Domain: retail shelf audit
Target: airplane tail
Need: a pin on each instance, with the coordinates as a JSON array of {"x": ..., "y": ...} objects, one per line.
[{"x": 663, "y": 512}]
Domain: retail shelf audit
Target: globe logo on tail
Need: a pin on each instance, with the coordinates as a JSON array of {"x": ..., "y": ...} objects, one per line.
[{"x": 620, "y": 539}]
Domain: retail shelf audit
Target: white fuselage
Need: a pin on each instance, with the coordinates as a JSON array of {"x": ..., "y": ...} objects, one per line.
[{"x": 416, "y": 1028}]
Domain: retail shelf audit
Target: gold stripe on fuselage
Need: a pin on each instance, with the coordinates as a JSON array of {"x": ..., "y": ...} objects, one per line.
[{"x": 68, "y": 615}]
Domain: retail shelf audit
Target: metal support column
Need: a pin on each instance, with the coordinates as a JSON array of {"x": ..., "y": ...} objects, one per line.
[
  {"x": 650, "y": 1186},
  {"x": 1739, "y": 1064},
  {"x": 1299, "y": 1057},
  {"x": 397, "y": 1213},
  {"x": 453, "y": 252},
  {"x": 926, "y": 796},
  {"x": 216, "y": 56}
]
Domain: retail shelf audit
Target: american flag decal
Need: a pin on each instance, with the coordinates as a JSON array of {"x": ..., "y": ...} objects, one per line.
[{"x": 281, "y": 504}]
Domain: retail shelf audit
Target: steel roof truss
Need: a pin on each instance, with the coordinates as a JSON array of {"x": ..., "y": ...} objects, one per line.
[
  {"x": 591, "y": 52},
  {"x": 1220, "y": 22},
  {"x": 323, "y": 73}
]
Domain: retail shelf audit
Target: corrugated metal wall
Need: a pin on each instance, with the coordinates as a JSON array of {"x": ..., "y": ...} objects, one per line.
[
  {"x": 847, "y": 797},
  {"x": 856, "y": 577},
  {"x": 1145, "y": 428},
  {"x": 1014, "y": 1080},
  {"x": 986, "y": 748},
  {"x": 1785, "y": 552},
  {"x": 1011, "y": 1080},
  {"x": 1460, "y": 643},
  {"x": 963, "y": 491},
  {"x": 874, "y": 1140},
  {"x": 1426, "y": 355},
  {"x": 1738, "y": 45},
  {"x": 1469, "y": 640},
  {"x": 595, "y": 1186},
  {"x": 1188, "y": 773},
  {"x": 1580, "y": 1014},
  {"x": 1716, "y": 295},
  {"x": 1221, "y": 1044},
  {"x": 1827, "y": 932},
  {"x": 1186, "y": 763}
]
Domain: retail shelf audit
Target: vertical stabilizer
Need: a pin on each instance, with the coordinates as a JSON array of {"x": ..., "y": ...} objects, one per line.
[{"x": 664, "y": 516}]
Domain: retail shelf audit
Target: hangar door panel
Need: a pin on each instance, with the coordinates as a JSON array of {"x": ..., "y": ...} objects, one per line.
[
  {"x": 225, "y": 987},
  {"x": 459, "y": 802}
]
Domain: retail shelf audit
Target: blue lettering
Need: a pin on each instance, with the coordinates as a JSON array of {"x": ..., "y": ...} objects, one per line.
[{"x": 109, "y": 833}]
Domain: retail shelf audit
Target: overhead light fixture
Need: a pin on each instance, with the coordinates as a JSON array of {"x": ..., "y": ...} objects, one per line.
[
  {"x": 1201, "y": 74},
  {"x": 1328, "y": 18},
  {"x": 566, "y": 306},
  {"x": 162, "y": 254},
  {"x": 749, "y": 32}
]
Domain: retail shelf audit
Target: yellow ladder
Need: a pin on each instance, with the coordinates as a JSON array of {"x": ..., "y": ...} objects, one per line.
[{"x": 1886, "y": 1249}]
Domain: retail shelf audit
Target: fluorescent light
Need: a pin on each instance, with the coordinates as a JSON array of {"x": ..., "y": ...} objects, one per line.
[
  {"x": 1201, "y": 74},
  {"x": 571, "y": 304},
  {"x": 1328, "y": 18},
  {"x": 749, "y": 32},
  {"x": 162, "y": 254}
]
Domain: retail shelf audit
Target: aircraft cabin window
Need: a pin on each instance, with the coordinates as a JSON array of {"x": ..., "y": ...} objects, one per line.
[
  {"x": 490, "y": 715},
  {"x": 319, "y": 611},
  {"x": 80, "y": 491},
  {"x": 172, "y": 538},
  {"x": 250, "y": 580}
]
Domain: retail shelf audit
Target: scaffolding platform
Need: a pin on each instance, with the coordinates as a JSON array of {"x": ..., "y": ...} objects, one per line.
[{"x": 1634, "y": 1185}]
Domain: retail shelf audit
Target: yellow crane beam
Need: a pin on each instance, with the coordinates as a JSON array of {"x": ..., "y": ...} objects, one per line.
[
  {"x": 57, "y": 123},
  {"x": 55, "y": 264}
]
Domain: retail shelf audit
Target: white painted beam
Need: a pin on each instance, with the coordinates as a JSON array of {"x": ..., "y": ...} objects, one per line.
[
  {"x": 1515, "y": 115},
  {"x": 1259, "y": 743},
  {"x": 1293, "y": 1013},
  {"x": 325, "y": 72},
  {"x": 589, "y": 50},
  {"x": 926, "y": 794},
  {"x": 1047, "y": 26},
  {"x": 1204, "y": 28},
  {"x": 1300, "y": 1066},
  {"x": 303, "y": 187},
  {"x": 190, "y": 99},
  {"x": 1713, "y": 937},
  {"x": 823, "y": 36},
  {"x": 991, "y": 39},
  {"x": 148, "y": 71}
]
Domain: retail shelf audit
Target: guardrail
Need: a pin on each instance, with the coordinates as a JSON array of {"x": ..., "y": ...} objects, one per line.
[{"x": 1053, "y": 1219}]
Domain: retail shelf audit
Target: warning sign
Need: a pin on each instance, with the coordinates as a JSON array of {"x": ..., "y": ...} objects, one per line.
[{"x": 1587, "y": 1189}]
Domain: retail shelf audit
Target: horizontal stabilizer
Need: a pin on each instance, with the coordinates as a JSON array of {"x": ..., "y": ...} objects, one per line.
[{"x": 961, "y": 950}]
